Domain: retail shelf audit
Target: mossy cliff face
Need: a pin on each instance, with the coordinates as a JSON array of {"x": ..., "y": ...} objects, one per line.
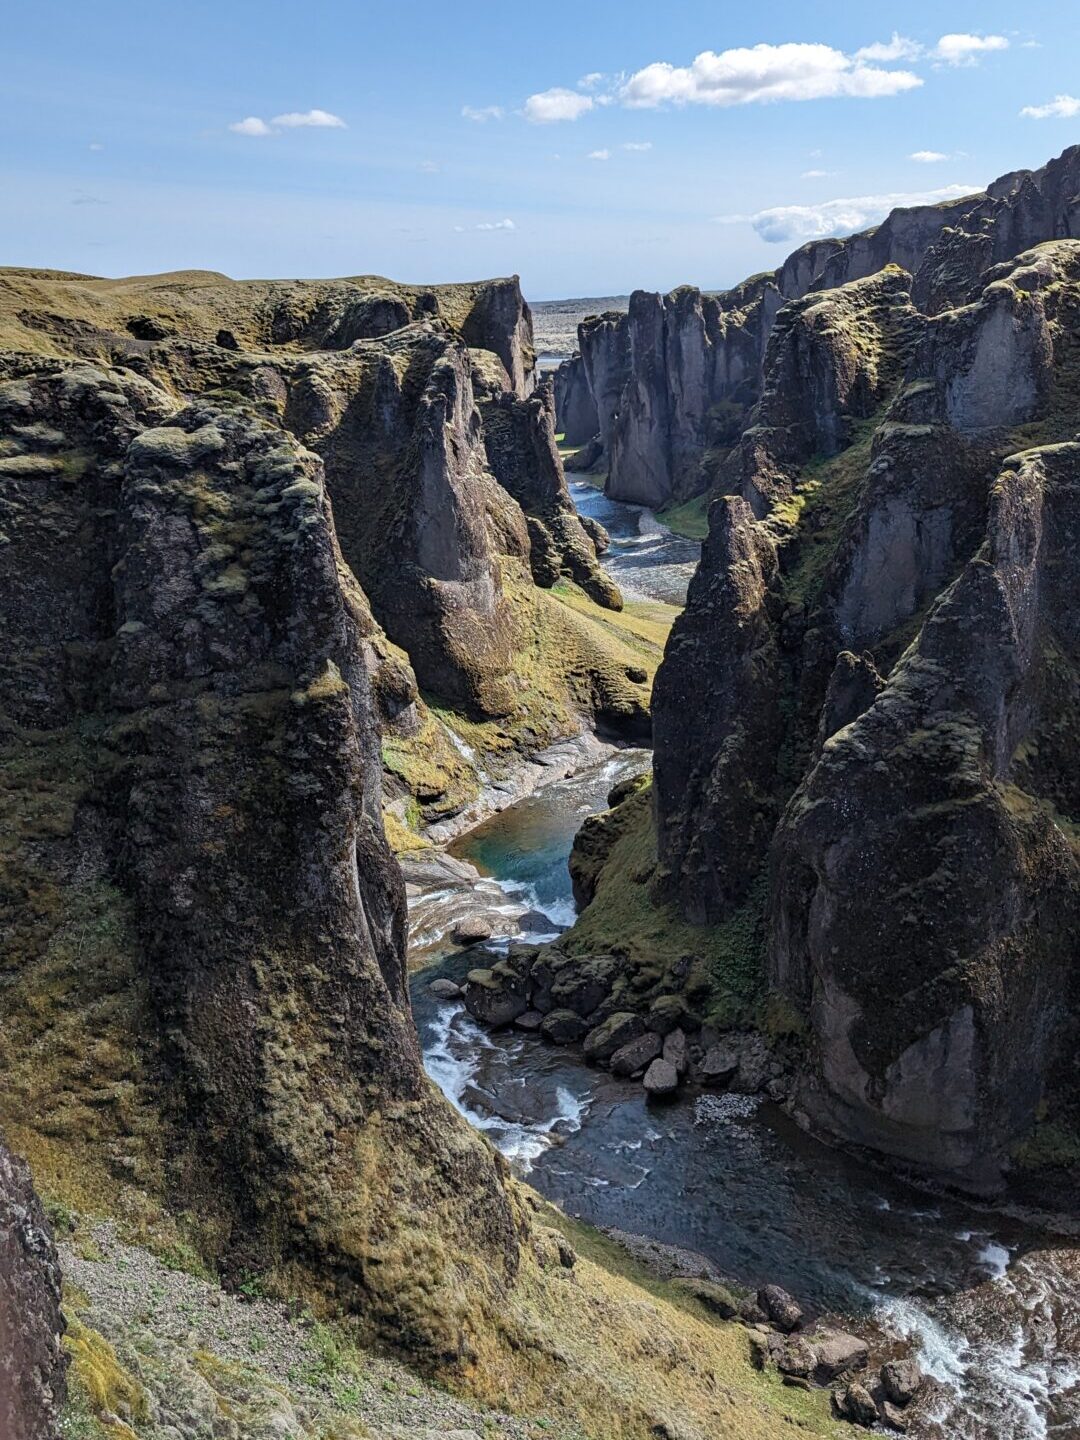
[
  {"x": 450, "y": 501},
  {"x": 32, "y": 1362},
  {"x": 227, "y": 802},
  {"x": 922, "y": 880},
  {"x": 927, "y": 884},
  {"x": 670, "y": 375}
]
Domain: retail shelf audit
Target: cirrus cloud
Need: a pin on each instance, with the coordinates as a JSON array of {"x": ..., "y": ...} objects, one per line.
[
  {"x": 799, "y": 223},
  {"x": 762, "y": 74},
  {"x": 1062, "y": 107}
]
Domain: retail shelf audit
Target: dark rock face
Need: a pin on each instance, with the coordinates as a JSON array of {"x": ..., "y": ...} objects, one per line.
[
  {"x": 574, "y": 403},
  {"x": 929, "y": 797},
  {"x": 32, "y": 1361},
  {"x": 211, "y": 643},
  {"x": 868, "y": 711},
  {"x": 714, "y": 766},
  {"x": 519, "y": 437},
  {"x": 674, "y": 378}
]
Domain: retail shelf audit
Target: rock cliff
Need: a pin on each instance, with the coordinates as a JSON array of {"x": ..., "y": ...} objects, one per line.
[
  {"x": 32, "y": 1362},
  {"x": 865, "y": 720},
  {"x": 672, "y": 381},
  {"x": 188, "y": 646}
]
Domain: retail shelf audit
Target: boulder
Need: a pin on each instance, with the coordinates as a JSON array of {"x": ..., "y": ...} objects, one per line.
[
  {"x": 637, "y": 1054},
  {"x": 661, "y": 1078},
  {"x": 563, "y": 1027},
  {"x": 489, "y": 999},
  {"x": 529, "y": 1020},
  {"x": 602, "y": 1042},
  {"x": 894, "y": 1416},
  {"x": 667, "y": 1013},
  {"x": 837, "y": 1353},
  {"x": 720, "y": 1064},
  {"x": 797, "y": 1358},
  {"x": 855, "y": 1403},
  {"x": 902, "y": 1380},
  {"x": 471, "y": 931},
  {"x": 445, "y": 989},
  {"x": 675, "y": 1050},
  {"x": 783, "y": 1309}
]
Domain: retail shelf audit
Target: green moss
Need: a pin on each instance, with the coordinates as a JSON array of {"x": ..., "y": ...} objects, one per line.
[
  {"x": 691, "y": 518},
  {"x": 719, "y": 968}
]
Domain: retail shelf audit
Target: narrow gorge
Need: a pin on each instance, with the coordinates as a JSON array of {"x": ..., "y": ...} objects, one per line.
[{"x": 542, "y": 901}]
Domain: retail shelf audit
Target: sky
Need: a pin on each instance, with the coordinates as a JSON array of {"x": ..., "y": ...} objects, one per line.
[{"x": 591, "y": 147}]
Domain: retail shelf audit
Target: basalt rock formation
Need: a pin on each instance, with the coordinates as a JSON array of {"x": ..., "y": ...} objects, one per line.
[
  {"x": 865, "y": 722},
  {"x": 673, "y": 381},
  {"x": 32, "y": 1362},
  {"x": 195, "y": 868}
]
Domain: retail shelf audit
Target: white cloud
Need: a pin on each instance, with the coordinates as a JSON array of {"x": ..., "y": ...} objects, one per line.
[
  {"x": 590, "y": 81},
  {"x": 492, "y": 225},
  {"x": 837, "y": 217},
  {"x": 428, "y": 167},
  {"x": 967, "y": 49},
  {"x": 1062, "y": 107},
  {"x": 550, "y": 106},
  {"x": 898, "y": 48},
  {"x": 816, "y": 174},
  {"x": 481, "y": 114},
  {"x": 638, "y": 145},
  {"x": 315, "y": 119},
  {"x": 95, "y": 145},
  {"x": 760, "y": 74},
  {"x": 1030, "y": 44},
  {"x": 599, "y": 155},
  {"x": 252, "y": 125},
  {"x": 927, "y": 157}
]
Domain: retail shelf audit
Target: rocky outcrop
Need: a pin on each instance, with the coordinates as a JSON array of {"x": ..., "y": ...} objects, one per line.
[
  {"x": 574, "y": 403},
  {"x": 420, "y": 517},
  {"x": 923, "y": 877},
  {"x": 928, "y": 841},
  {"x": 693, "y": 362},
  {"x": 519, "y": 437},
  {"x": 32, "y": 1361},
  {"x": 190, "y": 682},
  {"x": 714, "y": 765}
]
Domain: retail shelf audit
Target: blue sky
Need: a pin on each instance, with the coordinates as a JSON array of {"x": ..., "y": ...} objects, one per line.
[{"x": 591, "y": 147}]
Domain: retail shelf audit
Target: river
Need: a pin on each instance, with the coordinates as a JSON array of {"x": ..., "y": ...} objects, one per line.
[{"x": 991, "y": 1301}]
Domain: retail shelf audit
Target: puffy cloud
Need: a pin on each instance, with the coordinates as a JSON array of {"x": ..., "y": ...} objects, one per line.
[
  {"x": 487, "y": 225},
  {"x": 638, "y": 145},
  {"x": 251, "y": 125},
  {"x": 550, "y": 106},
  {"x": 967, "y": 49},
  {"x": 927, "y": 157},
  {"x": 898, "y": 48},
  {"x": 590, "y": 81},
  {"x": 763, "y": 73},
  {"x": 599, "y": 155},
  {"x": 481, "y": 114},
  {"x": 314, "y": 119},
  {"x": 1062, "y": 107},
  {"x": 837, "y": 217}
]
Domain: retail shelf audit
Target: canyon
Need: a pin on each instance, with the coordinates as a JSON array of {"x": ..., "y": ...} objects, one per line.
[{"x": 297, "y": 593}]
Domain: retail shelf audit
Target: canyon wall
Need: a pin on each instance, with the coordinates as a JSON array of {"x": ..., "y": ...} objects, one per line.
[
  {"x": 883, "y": 627},
  {"x": 673, "y": 381}
]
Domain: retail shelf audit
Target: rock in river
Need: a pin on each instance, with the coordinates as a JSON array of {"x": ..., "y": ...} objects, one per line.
[
  {"x": 616, "y": 1030},
  {"x": 661, "y": 1078},
  {"x": 635, "y": 1055}
]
